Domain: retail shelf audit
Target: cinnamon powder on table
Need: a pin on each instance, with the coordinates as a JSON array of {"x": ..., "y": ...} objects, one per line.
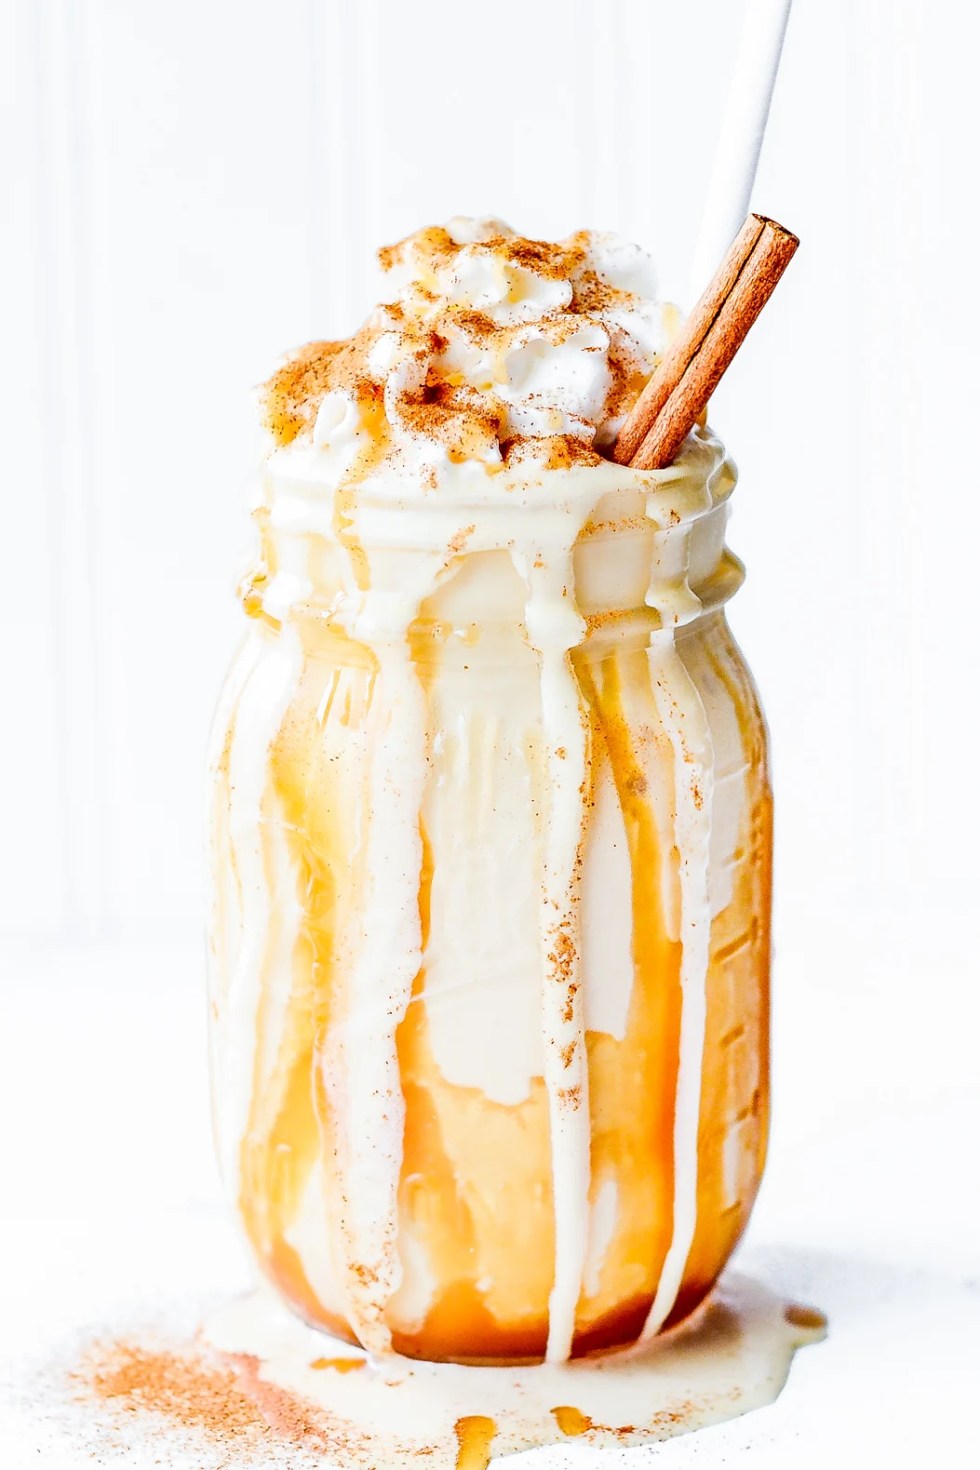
[{"x": 222, "y": 1399}]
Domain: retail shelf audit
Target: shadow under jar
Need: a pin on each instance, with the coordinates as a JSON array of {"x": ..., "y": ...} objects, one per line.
[{"x": 491, "y": 849}]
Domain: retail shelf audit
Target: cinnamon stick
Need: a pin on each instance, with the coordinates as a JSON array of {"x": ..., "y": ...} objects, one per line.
[{"x": 686, "y": 377}]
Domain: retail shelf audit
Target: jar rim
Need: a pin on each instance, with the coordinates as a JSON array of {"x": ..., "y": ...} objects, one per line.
[{"x": 499, "y": 510}]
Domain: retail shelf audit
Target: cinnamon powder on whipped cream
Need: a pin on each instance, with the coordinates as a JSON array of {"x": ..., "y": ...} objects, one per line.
[{"x": 488, "y": 347}]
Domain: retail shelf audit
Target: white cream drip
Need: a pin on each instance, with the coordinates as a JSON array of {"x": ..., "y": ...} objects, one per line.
[
  {"x": 554, "y": 627},
  {"x": 684, "y": 720},
  {"x": 360, "y": 1061},
  {"x": 268, "y": 910}
]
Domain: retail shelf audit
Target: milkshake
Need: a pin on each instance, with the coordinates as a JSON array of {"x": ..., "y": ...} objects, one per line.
[{"x": 490, "y": 827}]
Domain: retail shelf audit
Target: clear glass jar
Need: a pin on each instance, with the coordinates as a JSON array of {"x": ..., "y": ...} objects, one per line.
[{"x": 554, "y": 1143}]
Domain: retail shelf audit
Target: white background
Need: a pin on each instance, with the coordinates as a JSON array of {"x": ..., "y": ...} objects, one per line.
[{"x": 191, "y": 187}]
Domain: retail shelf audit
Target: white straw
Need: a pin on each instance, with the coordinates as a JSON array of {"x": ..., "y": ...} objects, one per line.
[{"x": 740, "y": 140}]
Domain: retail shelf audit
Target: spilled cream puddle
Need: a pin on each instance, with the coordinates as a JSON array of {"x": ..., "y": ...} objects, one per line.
[{"x": 733, "y": 1356}]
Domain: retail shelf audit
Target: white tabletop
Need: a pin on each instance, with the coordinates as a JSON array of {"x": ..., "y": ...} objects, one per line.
[{"x": 112, "y": 1214}]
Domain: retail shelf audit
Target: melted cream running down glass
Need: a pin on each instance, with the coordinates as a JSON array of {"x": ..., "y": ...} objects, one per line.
[{"x": 490, "y": 827}]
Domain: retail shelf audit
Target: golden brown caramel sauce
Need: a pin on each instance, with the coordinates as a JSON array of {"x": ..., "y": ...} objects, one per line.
[
  {"x": 287, "y": 1134},
  {"x": 571, "y": 1421},
  {"x": 809, "y": 1318},
  {"x": 250, "y": 591},
  {"x": 254, "y": 584},
  {"x": 455, "y": 1210},
  {"x": 474, "y": 1435}
]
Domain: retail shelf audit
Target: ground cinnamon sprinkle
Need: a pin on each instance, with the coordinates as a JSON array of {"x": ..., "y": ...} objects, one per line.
[
  {"x": 627, "y": 384},
  {"x": 294, "y": 392},
  {"x": 447, "y": 410},
  {"x": 553, "y": 451},
  {"x": 589, "y": 293},
  {"x": 476, "y": 323},
  {"x": 224, "y": 1399},
  {"x": 554, "y": 262}
]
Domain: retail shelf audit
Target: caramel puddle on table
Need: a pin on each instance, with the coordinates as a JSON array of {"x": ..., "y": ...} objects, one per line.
[
  {"x": 732, "y": 1356},
  {"x": 571, "y": 1421},
  {"x": 474, "y": 1441}
]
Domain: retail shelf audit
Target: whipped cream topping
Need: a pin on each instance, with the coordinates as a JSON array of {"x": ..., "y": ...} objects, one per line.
[{"x": 487, "y": 346}]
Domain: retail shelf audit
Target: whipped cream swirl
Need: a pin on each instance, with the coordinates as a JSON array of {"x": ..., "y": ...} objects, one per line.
[{"x": 487, "y": 347}]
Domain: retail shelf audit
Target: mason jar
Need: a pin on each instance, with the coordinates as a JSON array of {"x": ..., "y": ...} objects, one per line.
[{"x": 490, "y": 841}]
